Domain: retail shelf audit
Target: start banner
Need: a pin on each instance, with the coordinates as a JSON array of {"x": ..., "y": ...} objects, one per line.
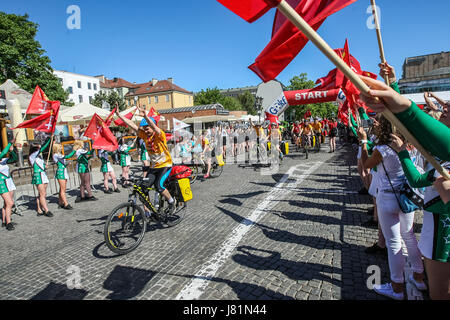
[{"x": 310, "y": 96}]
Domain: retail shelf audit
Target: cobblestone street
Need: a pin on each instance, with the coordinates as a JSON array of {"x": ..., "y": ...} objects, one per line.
[{"x": 295, "y": 234}]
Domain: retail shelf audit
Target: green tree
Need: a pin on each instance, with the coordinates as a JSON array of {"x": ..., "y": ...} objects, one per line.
[
  {"x": 322, "y": 110},
  {"x": 113, "y": 98},
  {"x": 213, "y": 95},
  {"x": 247, "y": 101},
  {"x": 23, "y": 60}
]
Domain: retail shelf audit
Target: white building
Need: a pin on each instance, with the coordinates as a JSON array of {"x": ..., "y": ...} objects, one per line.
[{"x": 81, "y": 88}]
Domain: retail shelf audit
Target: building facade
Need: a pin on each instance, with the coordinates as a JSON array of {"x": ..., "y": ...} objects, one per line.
[
  {"x": 81, "y": 88},
  {"x": 235, "y": 92},
  {"x": 159, "y": 94},
  {"x": 119, "y": 85},
  {"x": 427, "y": 73}
]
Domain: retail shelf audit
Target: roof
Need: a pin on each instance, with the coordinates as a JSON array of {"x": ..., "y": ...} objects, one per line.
[
  {"x": 220, "y": 109},
  {"x": 116, "y": 83},
  {"x": 160, "y": 86}
]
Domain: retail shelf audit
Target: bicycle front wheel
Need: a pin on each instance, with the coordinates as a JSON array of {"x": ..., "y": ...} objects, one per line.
[
  {"x": 193, "y": 176},
  {"x": 125, "y": 228}
]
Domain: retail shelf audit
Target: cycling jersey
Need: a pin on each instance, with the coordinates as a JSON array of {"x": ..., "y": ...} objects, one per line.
[
  {"x": 307, "y": 129},
  {"x": 317, "y": 127},
  {"x": 157, "y": 149}
]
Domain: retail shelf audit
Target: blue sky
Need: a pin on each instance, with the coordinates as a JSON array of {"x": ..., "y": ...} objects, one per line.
[{"x": 201, "y": 44}]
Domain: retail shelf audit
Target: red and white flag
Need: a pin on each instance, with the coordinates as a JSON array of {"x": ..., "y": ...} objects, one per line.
[
  {"x": 129, "y": 116},
  {"x": 101, "y": 135},
  {"x": 108, "y": 120},
  {"x": 39, "y": 103},
  {"x": 45, "y": 122}
]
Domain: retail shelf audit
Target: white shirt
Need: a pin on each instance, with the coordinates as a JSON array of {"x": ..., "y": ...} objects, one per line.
[{"x": 394, "y": 169}]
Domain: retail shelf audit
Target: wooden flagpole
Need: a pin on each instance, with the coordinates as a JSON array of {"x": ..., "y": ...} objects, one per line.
[
  {"x": 312, "y": 35},
  {"x": 380, "y": 39},
  {"x": 50, "y": 149}
]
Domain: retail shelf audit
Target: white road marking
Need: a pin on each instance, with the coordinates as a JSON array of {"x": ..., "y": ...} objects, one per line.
[{"x": 200, "y": 281}]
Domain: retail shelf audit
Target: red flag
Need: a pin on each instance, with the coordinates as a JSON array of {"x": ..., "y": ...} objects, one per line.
[
  {"x": 288, "y": 41},
  {"x": 45, "y": 122},
  {"x": 129, "y": 116},
  {"x": 101, "y": 135},
  {"x": 250, "y": 10},
  {"x": 343, "y": 113},
  {"x": 154, "y": 114},
  {"x": 108, "y": 120},
  {"x": 39, "y": 103},
  {"x": 272, "y": 118}
]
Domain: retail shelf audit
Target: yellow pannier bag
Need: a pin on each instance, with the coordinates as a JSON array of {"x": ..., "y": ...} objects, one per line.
[
  {"x": 220, "y": 161},
  {"x": 185, "y": 189},
  {"x": 269, "y": 145},
  {"x": 285, "y": 147}
]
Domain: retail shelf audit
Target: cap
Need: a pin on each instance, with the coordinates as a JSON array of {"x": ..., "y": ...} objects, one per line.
[{"x": 144, "y": 122}]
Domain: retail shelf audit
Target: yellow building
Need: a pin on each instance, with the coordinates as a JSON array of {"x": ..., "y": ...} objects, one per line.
[{"x": 161, "y": 95}]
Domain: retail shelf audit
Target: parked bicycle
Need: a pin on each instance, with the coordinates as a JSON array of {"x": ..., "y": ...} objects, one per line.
[
  {"x": 198, "y": 165},
  {"x": 126, "y": 225}
]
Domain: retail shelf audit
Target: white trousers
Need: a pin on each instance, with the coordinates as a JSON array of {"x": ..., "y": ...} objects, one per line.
[{"x": 396, "y": 226}]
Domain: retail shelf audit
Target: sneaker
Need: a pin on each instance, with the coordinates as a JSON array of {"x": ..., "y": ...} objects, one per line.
[
  {"x": 92, "y": 198},
  {"x": 68, "y": 207},
  {"x": 79, "y": 199},
  {"x": 206, "y": 176},
  {"x": 107, "y": 191},
  {"x": 387, "y": 291},
  {"x": 48, "y": 214},
  {"x": 10, "y": 226},
  {"x": 117, "y": 190},
  {"x": 170, "y": 209},
  {"x": 419, "y": 285}
]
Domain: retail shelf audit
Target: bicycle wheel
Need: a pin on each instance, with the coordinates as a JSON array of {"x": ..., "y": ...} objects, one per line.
[
  {"x": 216, "y": 170},
  {"x": 194, "y": 175},
  {"x": 125, "y": 228},
  {"x": 179, "y": 214}
]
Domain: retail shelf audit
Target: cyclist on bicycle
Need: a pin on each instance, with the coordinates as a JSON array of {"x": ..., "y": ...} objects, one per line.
[
  {"x": 159, "y": 155},
  {"x": 206, "y": 152},
  {"x": 307, "y": 131},
  {"x": 260, "y": 138},
  {"x": 275, "y": 138},
  {"x": 317, "y": 127},
  {"x": 296, "y": 128}
]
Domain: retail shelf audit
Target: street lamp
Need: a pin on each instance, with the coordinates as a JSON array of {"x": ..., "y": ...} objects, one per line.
[{"x": 258, "y": 106}]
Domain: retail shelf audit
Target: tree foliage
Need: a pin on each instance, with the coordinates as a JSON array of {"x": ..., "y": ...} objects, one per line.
[
  {"x": 213, "y": 95},
  {"x": 247, "y": 101},
  {"x": 322, "y": 110},
  {"x": 112, "y": 98},
  {"x": 23, "y": 60}
]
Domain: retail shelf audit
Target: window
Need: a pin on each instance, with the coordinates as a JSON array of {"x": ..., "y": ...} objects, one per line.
[
  {"x": 79, "y": 84},
  {"x": 89, "y": 86},
  {"x": 61, "y": 81},
  {"x": 167, "y": 98},
  {"x": 95, "y": 86},
  {"x": 90, "y": 100},
  {"x": 80, "y": 99},
  {"x": 156, "y": 99},
  {"x": 70, "y": 89},
  {"x": 149, "y": 100}
]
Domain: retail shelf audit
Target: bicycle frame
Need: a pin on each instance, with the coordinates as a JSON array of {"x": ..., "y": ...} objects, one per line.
[{"x": 137, "y": 191}]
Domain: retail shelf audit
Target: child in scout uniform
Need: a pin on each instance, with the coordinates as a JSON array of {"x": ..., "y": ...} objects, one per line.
[
  {"x": 144, "y": 157},
  {"x": 62, "y": 174},
  {"x": 83, "y": 157},
  {"x": 40, "y": 179},
  {"x": 7, "y": 186},
  {"x": 125, "y": 160},
  {"x": 108, "y": 171}
]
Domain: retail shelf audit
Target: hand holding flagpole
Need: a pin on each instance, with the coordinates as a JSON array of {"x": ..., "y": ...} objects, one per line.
[{"x": 311, "y": 34}]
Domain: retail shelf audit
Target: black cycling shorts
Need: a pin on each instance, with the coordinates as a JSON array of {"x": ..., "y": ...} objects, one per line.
[{"x": 158, "y": 177}]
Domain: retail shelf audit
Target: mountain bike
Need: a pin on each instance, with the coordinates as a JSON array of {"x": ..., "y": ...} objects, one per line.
[
  {"x": 317, "y": 143},
  {"x": 199, "y": 165},
  {"x": 305, "y": 142},
  {"x": 126, "y": 225}
]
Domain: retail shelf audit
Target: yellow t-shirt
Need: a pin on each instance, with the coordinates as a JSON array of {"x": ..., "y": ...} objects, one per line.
[
  {"x": 307, "y": 129},
  {"x": 260, "y": 132},
  {"x": 157, "y": 149},
  {"x": 317, "y": 127}
]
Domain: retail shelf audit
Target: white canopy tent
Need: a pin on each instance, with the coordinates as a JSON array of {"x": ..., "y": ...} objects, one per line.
[
  {"x": 206, "y": 119},
  {"x": 81, "y": 113}
]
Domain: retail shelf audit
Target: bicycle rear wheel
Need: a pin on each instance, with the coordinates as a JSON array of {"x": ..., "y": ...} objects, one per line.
[
  {"x": 216, "y": 170},
  {"x": 172, "y": 220},
  {"x": 125, "y": 228}
]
